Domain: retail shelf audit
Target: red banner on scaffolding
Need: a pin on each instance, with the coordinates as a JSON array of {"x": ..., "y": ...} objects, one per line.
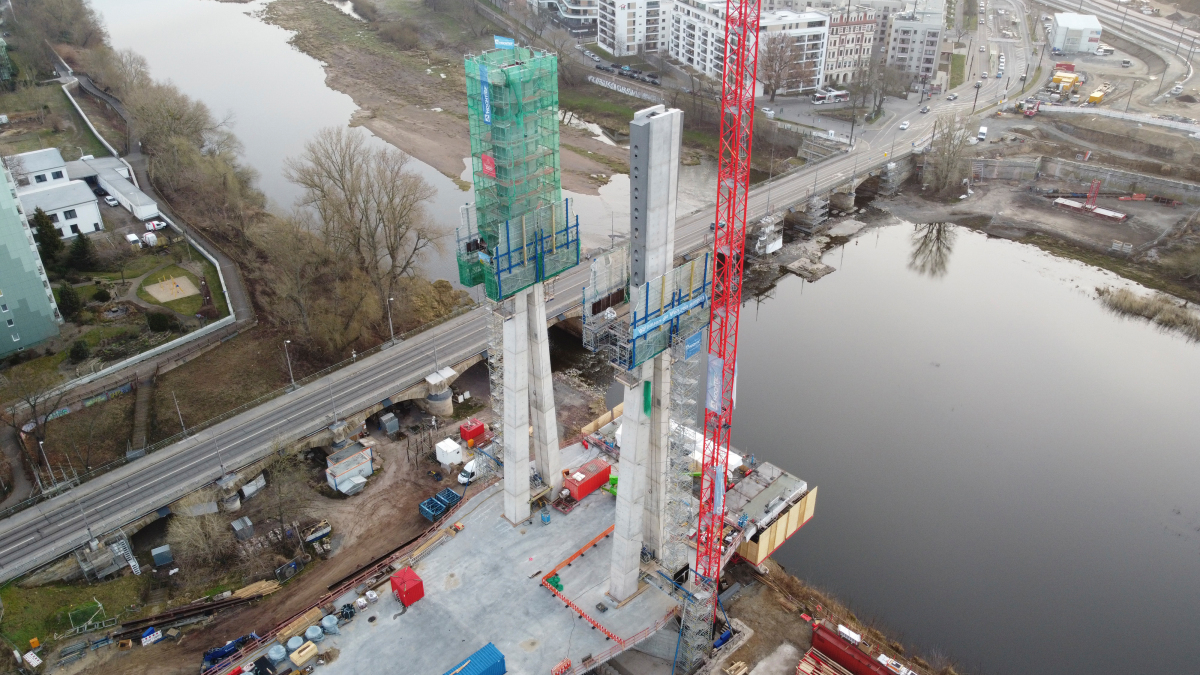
[{"x": 489, "y": 165}]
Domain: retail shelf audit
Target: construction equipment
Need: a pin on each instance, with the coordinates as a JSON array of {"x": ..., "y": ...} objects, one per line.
[{"x": 1033, "y": 109}]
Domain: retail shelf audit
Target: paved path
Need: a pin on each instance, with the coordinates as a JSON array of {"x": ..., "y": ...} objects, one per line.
[{"x": 22, "y": 488}]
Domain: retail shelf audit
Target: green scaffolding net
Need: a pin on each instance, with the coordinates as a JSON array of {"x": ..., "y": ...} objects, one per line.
[{"x": 520, "y": 232}]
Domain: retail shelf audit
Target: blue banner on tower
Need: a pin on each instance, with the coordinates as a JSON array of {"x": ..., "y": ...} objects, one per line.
[
  {"x": 504, "y": 42},
  {"x": 691, "y": 346},
  {"x": 486, "y": 90}
]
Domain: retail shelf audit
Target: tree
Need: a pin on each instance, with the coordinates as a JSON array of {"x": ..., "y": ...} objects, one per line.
[
  {"x": 82, "y": 255},
  {"x": 570, "y": 72},
  {"x": 950, "y": 139},
  {"x": 47, "y": 235},
  {"x": 288, "y": 492},
  {"x": 204, "y": 541},
  {"x": 32, "y": 397},
  {"x": 778, "y": 58},
  {"x": 369, "y": 207},
  {"x": 80, "y": 351},
  {"x": 69, "y": 302}
]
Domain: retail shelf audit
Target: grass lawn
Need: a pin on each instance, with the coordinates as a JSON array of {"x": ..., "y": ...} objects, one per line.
[
  {"x": 958, "y": 69},
  {"x": 85, "y": 291},
  {"x": 91, "y": 437},
  {"x": 39, "y": 612},
  {"x": 136, "y": 267},
  {"x": 187, "y": 306},
  {"x": 27, "y": 134}
]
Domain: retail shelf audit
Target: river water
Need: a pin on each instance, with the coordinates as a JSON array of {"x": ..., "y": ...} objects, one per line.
[{"x": 1008, "y": 472}]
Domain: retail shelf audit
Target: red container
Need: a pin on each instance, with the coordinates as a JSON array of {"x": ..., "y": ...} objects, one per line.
[
  {"x": 471, "y": 429},
  {"x": 844, "y": 653},
  {"x": 1069, "y": 67},
  {"x": 407, "y": 586},
  {"x": 587, "y": 479}
]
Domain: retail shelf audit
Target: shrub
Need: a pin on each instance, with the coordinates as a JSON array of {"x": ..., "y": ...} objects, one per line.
[
  {"x": 403, "y": 34},
  {"x": 102, "y": 295},
  {"x": 69, "y": 302},
  {"x": 159, "y": 322},
  {"x": 80, "y": 351},
  {"x": 366, "y": 9}
]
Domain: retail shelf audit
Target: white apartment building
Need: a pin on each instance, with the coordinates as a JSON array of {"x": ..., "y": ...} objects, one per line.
[
  {"x": 578, "y": 16},
  {"x": 43, "y": 183},
  {"x": 632, "y": 27},
  {"x": 850, "y": 44},
  {"x": 697, "y": 37},
  {"x": 914, "y": 38}
]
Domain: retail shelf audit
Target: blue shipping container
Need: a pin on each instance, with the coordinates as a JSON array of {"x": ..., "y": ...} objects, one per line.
[
  {"x": 448, "y": 497},
  {"x": 486, "y": 661},
  {"x": 432, "y": 509}
]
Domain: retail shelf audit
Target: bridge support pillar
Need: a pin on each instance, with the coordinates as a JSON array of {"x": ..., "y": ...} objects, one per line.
[
  {"x": 516, "y": 411},
  {"x": 660, "y": 433},
  {"x": 547, "y": 458},
  {"x": 842, "y": 201},
  {"x": 632, "y": 486}
]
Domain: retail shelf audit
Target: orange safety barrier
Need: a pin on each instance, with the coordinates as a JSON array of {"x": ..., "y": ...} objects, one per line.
[
  {"x": 562, "y": 667},
  {"x": 582, "y": 614}
]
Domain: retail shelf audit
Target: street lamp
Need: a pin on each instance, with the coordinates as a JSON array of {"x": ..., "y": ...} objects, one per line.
[
  {"x": 390, "y": 328},
  {"x": 289, "y": 362}
]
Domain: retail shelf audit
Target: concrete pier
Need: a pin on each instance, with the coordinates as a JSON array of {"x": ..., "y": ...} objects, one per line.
[
  {"x": 547, "y": 459},
  {"x": 516, "y": 411},
  {"x": 632, "y": 484}
]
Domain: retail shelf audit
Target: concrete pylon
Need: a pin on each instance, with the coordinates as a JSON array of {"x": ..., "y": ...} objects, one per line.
[
  {"x": 660, "y": 438},
  {"x": 516, "y": 411},
  {"x": 632, "y": 486},
  {"x": 546, "y": 455}
]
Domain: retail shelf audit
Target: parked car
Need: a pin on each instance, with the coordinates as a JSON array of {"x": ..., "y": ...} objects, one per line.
[
  {"x": 99, "y": 192},
  {"x": 155, "y": 225},
  {"x": 111, "y": 201},
  {"x": 903, "y": 125},
  {"x": 595, "y": 58},
  {"x": 133, "y": 239}
]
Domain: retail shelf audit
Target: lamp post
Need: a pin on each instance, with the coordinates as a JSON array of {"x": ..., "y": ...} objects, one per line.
[
  {"x": 289, "y": 362},
  {"x": 391, "y": 330}
]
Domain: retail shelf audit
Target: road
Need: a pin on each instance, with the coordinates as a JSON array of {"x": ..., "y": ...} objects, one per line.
[{"x": 42, "y": 533}]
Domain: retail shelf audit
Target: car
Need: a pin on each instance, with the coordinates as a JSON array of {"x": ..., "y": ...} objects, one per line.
[
  {"x": 133, "y": 239},
  {"x": 1000, "y": 75},
  {"x": 111, "y": 201},
  {"x": 982, "y": 48},
  {"x": 952, "y": 97},
  {"x": 979, "y": 84},
  {"x": 983, "y": 76},
  {"x": 155, "y": 225},
  {"x": 925, "y": 109},
  {"x": 99, "y": 192},
  {"x": 580, "y": 48},
  {"x": 595, "y": 58},
  {"x": 903, "y": 125}
]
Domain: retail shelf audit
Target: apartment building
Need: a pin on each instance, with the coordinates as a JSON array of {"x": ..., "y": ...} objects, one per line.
[
  {"x": 884, "y": 9},
  {"x": 43, "y": 183},
  {"x": 850, "y": 44},
  {"x": 634, "y": 27},
  {"x": 914, "y": 38},
  {"x": 578, "y": 16},
  {"x": 697, "y": 38},
  {"x": 28, "y": 313}
]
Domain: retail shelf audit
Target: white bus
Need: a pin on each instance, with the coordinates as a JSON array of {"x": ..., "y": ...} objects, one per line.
[{"x": 830, "y": 97}]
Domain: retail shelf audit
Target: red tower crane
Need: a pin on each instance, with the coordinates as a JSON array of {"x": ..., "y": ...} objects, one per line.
[{"x": 733, "y": 192}]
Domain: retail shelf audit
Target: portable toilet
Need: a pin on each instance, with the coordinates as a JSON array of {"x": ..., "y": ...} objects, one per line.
[{"x": 407, "y": 586}]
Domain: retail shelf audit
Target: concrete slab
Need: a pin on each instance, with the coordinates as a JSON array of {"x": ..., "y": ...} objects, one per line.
[{"x": 484, "y": 586}]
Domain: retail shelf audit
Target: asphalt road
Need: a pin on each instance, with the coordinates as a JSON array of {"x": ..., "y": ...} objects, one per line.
[{"x": 53, "y": 528}]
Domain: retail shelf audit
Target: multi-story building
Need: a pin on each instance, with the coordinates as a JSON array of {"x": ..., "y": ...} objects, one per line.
[
  {"x": 850, "y": 44},
  {"x": 42, "y": 183},
  {"x": 884, "y": 9},
  {"x": 1072, "y": 33},
  {"x": 578, "y": 16},
  {"x": 914, "y": 38},
  {"x": 634, "y": 27},
  {"x": 697, "y": 38},
  {"x": 28, "y": 313}
]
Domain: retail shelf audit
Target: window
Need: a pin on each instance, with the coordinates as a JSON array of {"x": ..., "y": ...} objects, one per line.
[
  {"x": 69, "y": 214},
  {"x": 56, "y": 175},
  {"x": 40, "y": 178},
  {"x": 75, "y": 228},
  {"x": 16, "y": 337},
  {"x": 10, "y": 323},
  {"x": 3, "y": 308},
  {"x": 54, "y": 217}
]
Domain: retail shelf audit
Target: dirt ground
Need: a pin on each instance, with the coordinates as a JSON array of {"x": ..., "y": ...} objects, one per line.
[{"x": 406, "y": 100}]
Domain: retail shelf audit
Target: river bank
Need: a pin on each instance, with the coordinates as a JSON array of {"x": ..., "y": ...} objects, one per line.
[{"x": 416, "y": 100}]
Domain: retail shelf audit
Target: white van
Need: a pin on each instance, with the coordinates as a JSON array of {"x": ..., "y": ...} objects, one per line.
[
  {"x": 982, "y": 134},
  {"x": 468, "y": 473}
]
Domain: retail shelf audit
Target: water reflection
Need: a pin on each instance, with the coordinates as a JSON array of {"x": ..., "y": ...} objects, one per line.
[{"x": 931, "y": 247}]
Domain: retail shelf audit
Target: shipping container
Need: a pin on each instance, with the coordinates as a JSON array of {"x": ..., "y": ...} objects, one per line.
[
  {"x": 448, "y": 497},
  {"x": 432, "y": 509},
  {"x": 486, "y": 661},
  {"x": 844, "y": 653},
  {"x": 407, "y": 586},
  {"x": 587, "y": 478}
]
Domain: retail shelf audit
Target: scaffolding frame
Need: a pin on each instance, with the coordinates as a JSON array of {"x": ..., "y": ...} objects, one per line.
[
  {"x": 607, "y": 289},
  {"x": 533, "y": 247}
]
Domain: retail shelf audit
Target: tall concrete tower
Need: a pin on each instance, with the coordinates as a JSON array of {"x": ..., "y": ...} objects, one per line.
[
  {"x": 654, "y": 140},
  {"x": 519, "y": 234}
]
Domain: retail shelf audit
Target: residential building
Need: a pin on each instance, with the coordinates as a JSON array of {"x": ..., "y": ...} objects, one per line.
[
  {"x": 631, "y": 27},
  {"x": 28, "y": 313},
  {"x": 43, "y": 183},
  {"x": 850, "y": 44},
  {"x": 697, "y": 38},
  {"x": 884, "y": 9},
  {"x": 914, "y": 39},
  {"x": 1072, "y": 33},
  {"x": 577, "y": 16}
]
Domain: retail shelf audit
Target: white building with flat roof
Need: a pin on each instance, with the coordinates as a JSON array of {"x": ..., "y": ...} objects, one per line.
[
  {"x": 631, "y": 27},
  {"x": 697, "y": 38},
  {"x": 43, "y": 183},
  {"x": 914, "y": 38},
  {"x": 1072, "y": 33}
]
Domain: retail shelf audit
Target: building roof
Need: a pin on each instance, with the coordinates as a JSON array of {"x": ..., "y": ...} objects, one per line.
[
  {"x": 58, "y": 198},
  {"x": 786, "y": 16},
  {"x": 1073, "y": 21},
  {"x": 41, "y": 160},
  {"x": 112, "y": 171}
]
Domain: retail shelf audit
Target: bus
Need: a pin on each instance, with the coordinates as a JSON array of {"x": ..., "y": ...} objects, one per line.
[{"x": 830, "y": 97}]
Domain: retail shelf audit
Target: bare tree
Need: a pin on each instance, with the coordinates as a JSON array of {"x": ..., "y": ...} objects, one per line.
[
  {"x": 369, "y": 207},
  {"x": 200, "y": 541},
  {"x": 468, "y": 12},
  {"x": 569, "y": 70},
  {"x": 33, "y": 396},
  {"x": 950, "y": 140},
  {"x": 289, "y": 495},
  {"x": 778, "y": 62}
]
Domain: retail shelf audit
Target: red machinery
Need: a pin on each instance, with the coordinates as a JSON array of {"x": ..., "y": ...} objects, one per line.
[
  {"x": 1093, "y": 193},
  {"x": 587, "y": 478},
  {"x": 844, "y": 652},
  {"x": 471, "y": 430},
  {"x": 733, "y": 192},
  {"x": 407, "y": 586}
]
